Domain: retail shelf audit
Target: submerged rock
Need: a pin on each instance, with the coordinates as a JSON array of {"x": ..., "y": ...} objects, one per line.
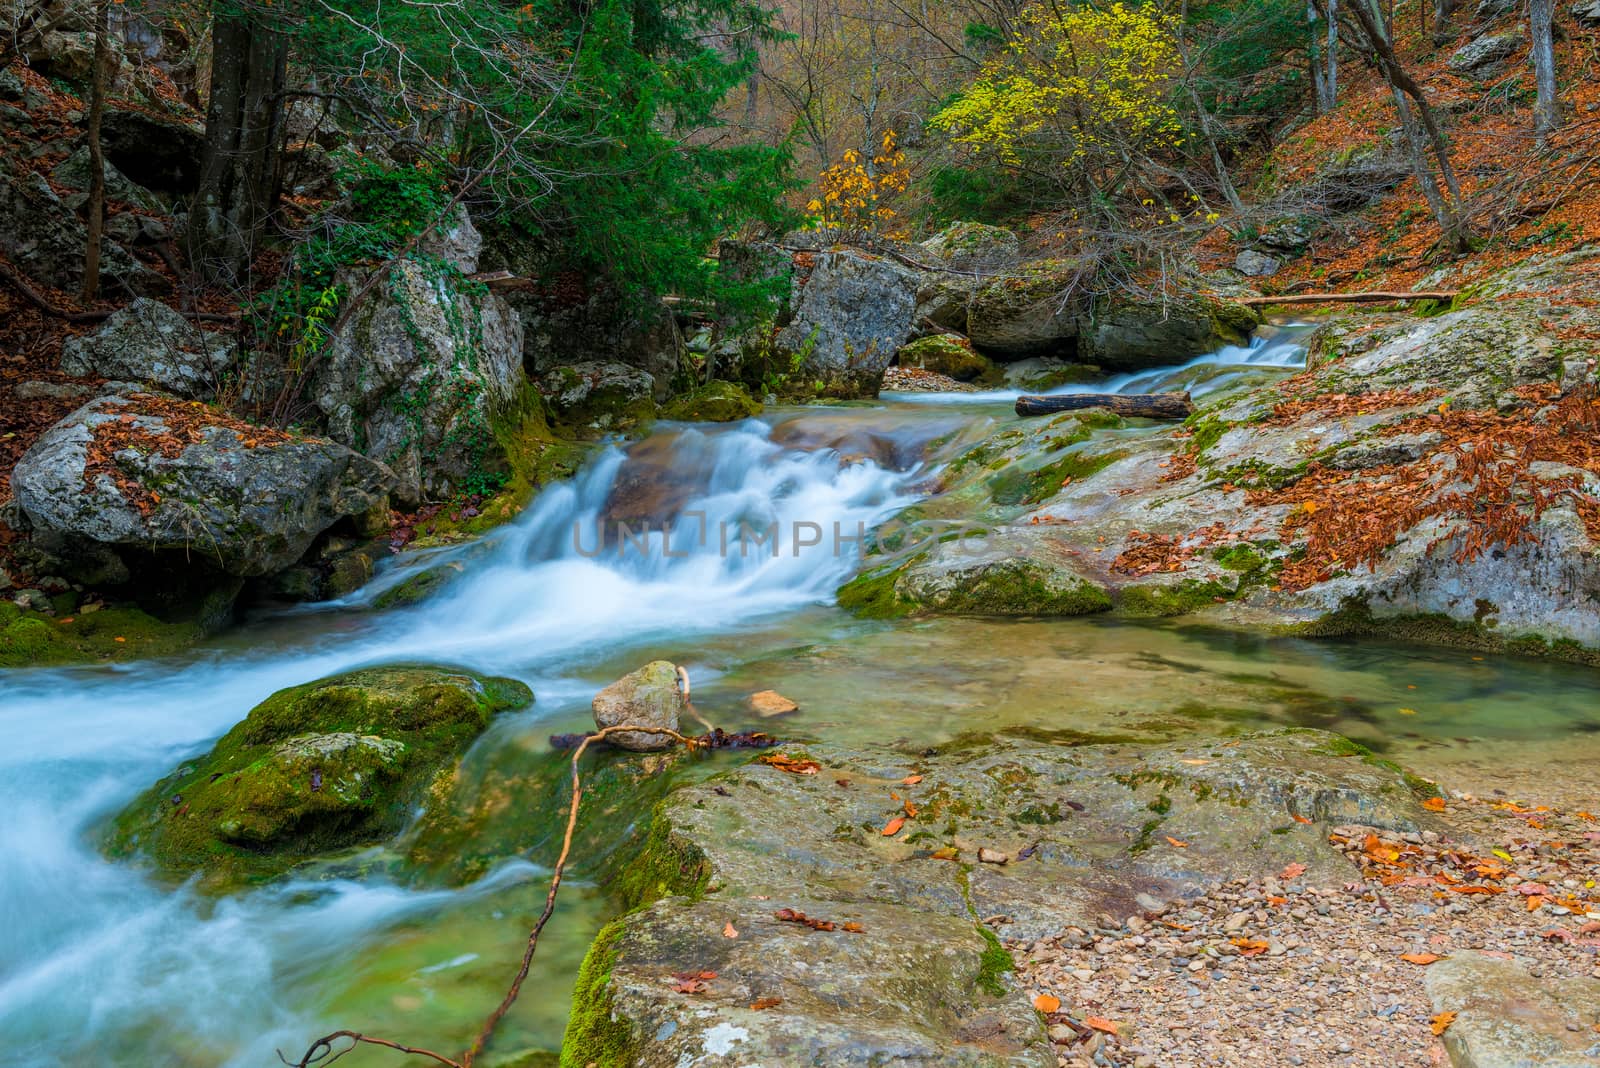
[
  {"x": 1510, "y": 1017},
  {"x": 145, "y": 473},
  {"x": 312, "y": 769},
  {"x": 648, "y": 697}
]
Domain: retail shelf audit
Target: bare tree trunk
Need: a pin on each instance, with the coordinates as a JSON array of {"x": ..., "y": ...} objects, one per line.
[
  {"x": 96, "y": 206},
  {"x": 1442, "y": 10},
  {"x": 1446, "y": 209},
  {"x": 239, "y": 169},
  {"x": 1330, "y": 80},
  {"x": 1547, "y": 107}
]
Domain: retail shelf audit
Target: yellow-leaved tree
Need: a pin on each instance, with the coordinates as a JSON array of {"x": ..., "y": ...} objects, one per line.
[
  {"x": 1084, "y": 97},
  {"x": 852, "y": 198}
]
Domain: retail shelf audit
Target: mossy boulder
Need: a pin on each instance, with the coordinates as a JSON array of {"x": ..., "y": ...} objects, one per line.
[
  {"x": 1022, "y": 312},
  {"x": 714, "y": 402},
  {"x": 1002, "y": 588},
  {"x": 325, "y": 766},
  {"x": 947, "y": 354},
  {"x": 974, "y": 246},
  {"x": 600, "y": 396},
  {"x": 33, "y": 639},
  {"x": 1131, "y": 334}
]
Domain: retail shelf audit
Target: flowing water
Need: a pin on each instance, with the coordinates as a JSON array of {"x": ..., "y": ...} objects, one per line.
[{"x": 100, "y": 965}]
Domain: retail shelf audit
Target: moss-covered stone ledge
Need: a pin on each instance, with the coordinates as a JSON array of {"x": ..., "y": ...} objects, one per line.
[
  {"x": 906, "y": 970},
  {"x": 71, "y": 636},
  {"x": 313, "y": 769}
]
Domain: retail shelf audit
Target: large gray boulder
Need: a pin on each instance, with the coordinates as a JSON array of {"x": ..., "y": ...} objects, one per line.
[
  {"x": 1033, "y": 310},
  {"x": 147, "y": 472},
  {"x": 600, "y": 395},
  {"x": 1161, "y": 329},
  {"x": 1485, "y": 55},
  {"x": 418, "y": 377},
  {"x": 149, "y": 343},
  {"x": 45, "y": 240},
  {"x": 853, "y": 313}
]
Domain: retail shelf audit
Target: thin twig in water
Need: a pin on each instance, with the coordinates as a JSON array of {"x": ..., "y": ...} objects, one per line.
[{"x": 322, "y": 1051}]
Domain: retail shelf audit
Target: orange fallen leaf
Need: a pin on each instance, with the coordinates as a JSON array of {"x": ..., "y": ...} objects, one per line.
[
  {"x": 765, "y": 1003},
  {"x": 1177, "y": 844},
  {"x": 1277, "y": 902},
  {"x": 119, "y": 638},
  {"x": 1047, "y": 1003},
  {"x": 1299, "y": 818},
  {"x": 911, "y": 780},
  {"x": 1534, "y": 902},
  {"x": 1100, "y": 1023},
  {"x": 790, "y": 764},
  {"x": 853, "y": 927},
  {"x": 1420, "y": 958},
  {"x": 1434, "y": 804},
  {"x": 1293, "y": 871},
  {"x": 893, "y": 826},
  {"x": 1250, "y": 947},
  {"x": 1441, "y": 1023},
  {"x": 729, "y": 930}
]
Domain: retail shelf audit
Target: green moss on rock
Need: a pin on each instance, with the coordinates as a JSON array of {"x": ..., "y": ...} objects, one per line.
[
  {"x": 1175, "y": 600},
  {"x": 320, "y": 767},
  {"x": 947, "y": 354},
  {"x": 1009, "y": 587},
  {"x": 714, "y": 402},
  {"x": 595, "y": 1036},
  {"x": 31, "y": 639},
  {"x": 873, "y": 596}
]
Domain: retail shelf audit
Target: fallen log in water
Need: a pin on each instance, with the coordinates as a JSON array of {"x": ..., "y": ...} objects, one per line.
[{"x": 1133, "y": 405}]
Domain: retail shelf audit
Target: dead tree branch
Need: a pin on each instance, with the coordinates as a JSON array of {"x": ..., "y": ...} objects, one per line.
[{"x": 323, "y": 1050}]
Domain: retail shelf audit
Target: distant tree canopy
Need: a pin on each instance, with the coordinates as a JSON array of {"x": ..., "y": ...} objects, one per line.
[{"x": 1076, "y": 96}]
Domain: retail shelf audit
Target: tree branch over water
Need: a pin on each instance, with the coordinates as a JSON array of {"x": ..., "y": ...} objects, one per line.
[{"x": 331, "y": 1047}]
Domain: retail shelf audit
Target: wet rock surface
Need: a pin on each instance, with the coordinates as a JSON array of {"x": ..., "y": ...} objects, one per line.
[
  {"x": 1509, "y": 1017},
  {"x": 925, "y": 852},
  {"x": 648, "y": 697},
  {"x": 311, "y": 770},
  {"x": 1366, "y": 494}
]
